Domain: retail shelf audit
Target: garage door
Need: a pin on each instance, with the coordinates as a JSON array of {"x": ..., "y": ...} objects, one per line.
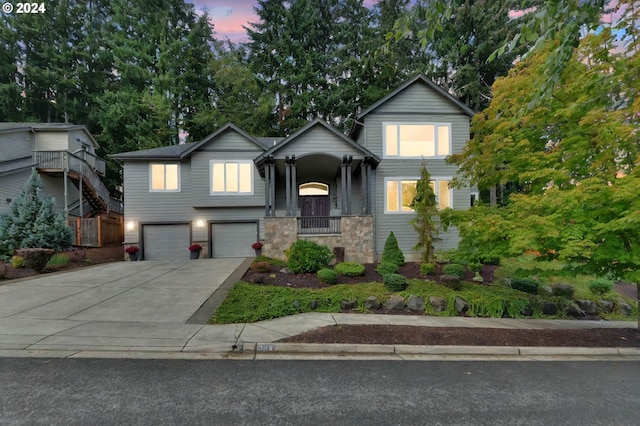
[
  {"x": 166, "y": 242},
  {"x": 233, "y": 239}
]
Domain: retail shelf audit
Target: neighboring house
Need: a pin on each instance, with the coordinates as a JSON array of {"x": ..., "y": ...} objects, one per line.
[
  {"x": 65, "y": 157},
  {"x": 230, "y": 189}
]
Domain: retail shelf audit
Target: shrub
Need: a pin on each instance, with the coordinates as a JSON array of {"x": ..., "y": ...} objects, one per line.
[
  {"x": 17, "y": 261},
  {"x": 454, "y": 269},
  {"x": 35, "y": 258},
  {"x": 427, "y": 268},
  {"x": 563, "y": 290},
  {"x": 328, "y": 276},
  {"x": 475, "y": 266},
  {"x": 3, "y": 271},
  {"x": 271, "y": 260},
  {"x": 307, "y": 256},
  {"x": 394, "y": 282},
  {"x": 350, "y": 269},
  {"x": 261, "y": 266},
  {"x": 525, "y": 284},
  {"x": 387, "y": 268},
  {"x": 58, "y": 260},
  {"x": 451, "y": 281},
  {"x": 600, "y": 286},
  {"x": 392, "y": 252}
]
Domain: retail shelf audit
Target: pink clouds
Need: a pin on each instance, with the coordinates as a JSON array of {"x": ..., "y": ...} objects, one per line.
[{"x": 229, "y": 16}]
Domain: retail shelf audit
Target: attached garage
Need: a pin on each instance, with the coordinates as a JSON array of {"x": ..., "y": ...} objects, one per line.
[
  {"x": 166, "y": 241},
  {"x": 233, "y": 239}
]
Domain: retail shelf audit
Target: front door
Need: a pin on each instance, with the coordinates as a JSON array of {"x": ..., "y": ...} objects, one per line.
[{"x": 315, "y": 211}]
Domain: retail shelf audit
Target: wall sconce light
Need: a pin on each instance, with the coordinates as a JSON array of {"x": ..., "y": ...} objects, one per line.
[
  {"x": 8, "y": 200},
  {"x": 131, "y": 225},
  {"x": 200, "y": 223}
]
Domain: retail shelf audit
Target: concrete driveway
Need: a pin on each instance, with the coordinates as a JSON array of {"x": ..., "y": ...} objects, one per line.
[{"x": 133, "y": 301}]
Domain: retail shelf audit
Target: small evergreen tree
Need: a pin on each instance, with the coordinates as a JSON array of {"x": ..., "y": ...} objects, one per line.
[
  {"x": 392, "y": 252},
  {"x": 32, "y": 221},
  {"x": 426, "y": 207}
]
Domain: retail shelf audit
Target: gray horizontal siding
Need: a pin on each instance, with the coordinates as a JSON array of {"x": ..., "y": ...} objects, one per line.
[
  {"x": 318, "y": 140},
  {"x": 52, "y": 141},
  {"x": 418, "y": 98},
  {"x": 201, "y": 177},
  {"x": 16, "y": 145},
  {"x": 10, "y": 187},
  {"x": 230, "y": 140}
]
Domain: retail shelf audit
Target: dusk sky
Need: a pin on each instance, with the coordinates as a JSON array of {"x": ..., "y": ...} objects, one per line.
[{"x": 229, "y": 16}]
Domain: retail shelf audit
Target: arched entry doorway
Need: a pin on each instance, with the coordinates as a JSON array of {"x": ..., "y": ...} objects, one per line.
[{"x": 314, "y": 204}]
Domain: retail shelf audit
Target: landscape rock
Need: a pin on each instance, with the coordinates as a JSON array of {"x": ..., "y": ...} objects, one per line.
[
  {"x": 624, "y": 307},
  {"x": 573, "y": 310},
  {"x": 314, "y": 304},
  {"x": 438, "y": 303},
  {"x": 371, "y": 303},
  {"x": 394, "y": 303},
  {"x": 296, "y": 304},
  {"x": 606, "y": 306},
  {"x": 563, "y": 290},
  {"x": 415, "y": 303},
  {"x": 548, "y": 308},
  {"x": 348, "y": 304},
  {"x": 589, "y": 307},
  {"x": 461, "y": 306},
  {"x": 450, "y": 281},
  {"x": 285, "y": 270},
  {"x": 259, "y": 279},
  {"x": 545, "y": 289},
  {"x": 527, "y": 311}
]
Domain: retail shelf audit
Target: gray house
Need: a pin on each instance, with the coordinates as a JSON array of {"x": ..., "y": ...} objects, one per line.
[
  {"x": 65, "y": 157},
  {"x": 230, "y": 189}
]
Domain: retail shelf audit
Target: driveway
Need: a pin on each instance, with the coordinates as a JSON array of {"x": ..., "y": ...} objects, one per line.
[{"x": 135, "y": 300}]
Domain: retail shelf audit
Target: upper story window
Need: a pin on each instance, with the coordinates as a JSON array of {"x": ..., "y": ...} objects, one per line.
[
  {"x": 417, "y": 140},
  {"x": 399, "y": 194},
  {"x": 164, "y": 177},
  {"x": 231, "y": 177}
]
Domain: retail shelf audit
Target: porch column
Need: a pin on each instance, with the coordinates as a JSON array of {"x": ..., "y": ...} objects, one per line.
[
  {"x": 368, "y": 189},
  {"x": 294, "y": 185},
  {"x": 267, "y": 185},
  {"x": 364, "y": 177},
  {"x": 287, "y": 184},
  {"x": 349, "y": 160},
  {"x": 272, "y": 187},
  {"x": 343, "y": 181}
]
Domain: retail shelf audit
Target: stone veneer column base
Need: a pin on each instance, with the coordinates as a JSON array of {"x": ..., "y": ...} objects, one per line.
[{"x": 356, "y": 237}]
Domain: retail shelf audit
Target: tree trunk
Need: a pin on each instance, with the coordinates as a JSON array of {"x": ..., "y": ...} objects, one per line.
[{"x": 493, "y": 197}]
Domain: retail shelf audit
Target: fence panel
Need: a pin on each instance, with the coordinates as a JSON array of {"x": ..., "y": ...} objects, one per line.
[{"x": 89, "y": 229}]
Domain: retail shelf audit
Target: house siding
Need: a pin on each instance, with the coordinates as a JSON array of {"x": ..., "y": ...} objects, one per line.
[
  {"x": 417, "y": 103},
  {"x": 11, "y": 186},
  {"x": 52, "y": 141},
  {"x": 14, "y": 145},
  {"x": 318, "y": 140}
]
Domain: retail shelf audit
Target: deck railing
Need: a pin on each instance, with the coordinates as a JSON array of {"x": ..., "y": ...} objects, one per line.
[
  {"x": 55, "y": 160},
  {"x": 319, "y": 225}
]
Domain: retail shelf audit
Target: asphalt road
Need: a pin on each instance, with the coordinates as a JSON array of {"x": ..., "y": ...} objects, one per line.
[{"x": 123, "y": 392}]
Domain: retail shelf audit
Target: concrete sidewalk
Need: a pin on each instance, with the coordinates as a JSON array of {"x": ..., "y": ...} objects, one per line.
[{"x": 98, "y": 339}]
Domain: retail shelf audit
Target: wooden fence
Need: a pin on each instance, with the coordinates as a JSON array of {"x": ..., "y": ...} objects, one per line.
[{"x": 98, "y": 231}]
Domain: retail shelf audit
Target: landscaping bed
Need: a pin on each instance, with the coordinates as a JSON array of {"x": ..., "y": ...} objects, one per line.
[{"x": 77, "y": 258}]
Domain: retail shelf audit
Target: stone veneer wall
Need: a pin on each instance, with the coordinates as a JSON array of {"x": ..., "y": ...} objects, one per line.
[{"x": 356, "y": 237}]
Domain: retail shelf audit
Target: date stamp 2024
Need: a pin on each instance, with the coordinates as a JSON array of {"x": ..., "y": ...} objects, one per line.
[{"x": 24, "y": 8}]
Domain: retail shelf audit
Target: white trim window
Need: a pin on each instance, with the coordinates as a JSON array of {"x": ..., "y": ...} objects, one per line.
[
  {"x": 399, "y": 193},
  {"x": 416, "y": 140},
  {"x": 164, "y": 177},
  {"x": 231, "y": 177}
]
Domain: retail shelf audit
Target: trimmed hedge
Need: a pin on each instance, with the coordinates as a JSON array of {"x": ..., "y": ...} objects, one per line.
[
  {"x": 328, "y": 276},
  {"x": 600, "y": 286},
  {"x": 394, "y": 282},
  {"x": 307, "y": 256},
  {"x": 350, "y": 269},
  {"x": 525, "y": 284},
  {"x": 427, "y": 268},
  {"x": 387, "y": 268},
  {"x": 454, "y": 269}
]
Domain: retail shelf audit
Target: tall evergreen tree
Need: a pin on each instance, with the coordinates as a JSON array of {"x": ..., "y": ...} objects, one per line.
[{"x": 426, "y": 207}]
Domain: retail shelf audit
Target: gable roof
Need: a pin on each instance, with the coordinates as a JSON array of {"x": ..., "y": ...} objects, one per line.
[
  {"x": 178, "y": 152},
  {"x": 420, "y": 78},
  {"x": 317, "y": 122},
  {"x": 15, "y": 127}
]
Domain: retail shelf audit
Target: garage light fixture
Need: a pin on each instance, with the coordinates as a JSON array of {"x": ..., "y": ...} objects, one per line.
[
  {"x": 131, "y": 226},
  {"x": 200, "y": 223}
]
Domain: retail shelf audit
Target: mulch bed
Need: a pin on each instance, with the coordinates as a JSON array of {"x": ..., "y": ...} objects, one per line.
[
  {"x": 77, "y": 259},
  {"x": 436, "y": 336}
]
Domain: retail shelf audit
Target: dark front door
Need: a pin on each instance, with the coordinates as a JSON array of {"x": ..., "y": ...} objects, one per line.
[{"x": 315, "y": 211}]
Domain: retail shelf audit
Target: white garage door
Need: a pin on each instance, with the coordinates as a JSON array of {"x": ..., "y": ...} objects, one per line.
[
  {"x": 166, "y": 242},
  {"x": 234, "y": 239}
]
